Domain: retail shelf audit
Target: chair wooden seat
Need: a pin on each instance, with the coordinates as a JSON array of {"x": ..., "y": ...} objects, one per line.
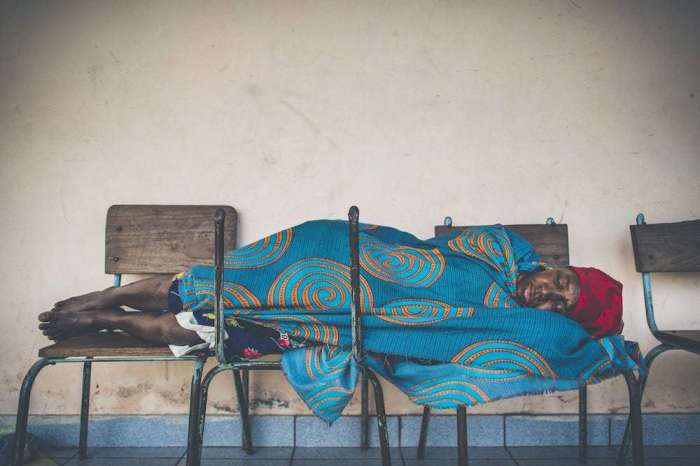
[
  {"x": 104, "y": 344},
  {"x": 682, "y": 338}
]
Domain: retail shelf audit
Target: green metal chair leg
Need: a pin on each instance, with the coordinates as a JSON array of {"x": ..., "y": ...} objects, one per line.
[
  {"x": 202, "y": 414},
  {"x": 84, "y": 410},
  {"x": 425, "y": 421},
  {"x": 246, "y": 385},
  {"x": 583, "y": 424},
  {"x": 23, "y": 409},
  {"x": 648, "y": 361},
  {"x": 634, "y": 387},
  {"x": 381, "y": 416},
  {"x": 462, "y": 435},
  {"x": 194, "y": 440},
  {"x": 364, "y": 412},
  {"x": 246, "y": 441}
]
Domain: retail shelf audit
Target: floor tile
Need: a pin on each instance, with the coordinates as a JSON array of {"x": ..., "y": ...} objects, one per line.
[
  {"x": 138, "y": 452},
  {"x": 661, "y": 429},
  {"x": 58, "y": 452},
  {"x": 347, "y": 462},
  {"x": 441, "y": 453},
  {"x": 453, "y": 462},
  {"x": 259, "y": 453},
  {"x": 671, "y": 462},
  {"x": 266, "y": 431},
  {"x": 560, "y": 452},
  {"x": 240, "y": 462},
  {"x": 345, "y": 432},
  {"x": 672, "y": 451},
  {"x": 482, "y": 431},
  {"x": 350, "y": 453},
  {"x": 56, "y": 461},
  {"x": 566, "y": 462},
  {"x": 123, "y": 462},
  {"x": 554, "y": 430}
]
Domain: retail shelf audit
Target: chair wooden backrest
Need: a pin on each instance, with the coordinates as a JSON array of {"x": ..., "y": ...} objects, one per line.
[
  {"x": 144, "y": 239},
  {"x": 550, "y": 240},
  {"x": 666, "y": 247}
]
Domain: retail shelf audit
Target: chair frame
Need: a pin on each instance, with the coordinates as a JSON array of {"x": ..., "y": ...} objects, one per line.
[
  {"x": 195, "y": 443},
  {"x": 653, "y": 353},
  {"x": 198, "y": 361},
  {"x": 634, "y": 389}
]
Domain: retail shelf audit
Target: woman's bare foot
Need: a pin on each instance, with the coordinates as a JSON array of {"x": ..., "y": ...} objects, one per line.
[
  {"x": 59, "y": 325},
  {"x": 86, "y": 302}
]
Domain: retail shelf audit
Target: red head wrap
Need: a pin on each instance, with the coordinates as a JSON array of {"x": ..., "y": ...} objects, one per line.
[{"x": 599, "y": 307}]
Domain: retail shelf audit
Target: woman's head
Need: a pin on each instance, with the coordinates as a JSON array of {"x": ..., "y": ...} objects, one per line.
[
  {"x": 554, "y": 289},
  {"x": 584, "y": 294}
]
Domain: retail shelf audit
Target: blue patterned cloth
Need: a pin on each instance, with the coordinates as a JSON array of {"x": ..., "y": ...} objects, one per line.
[{"x": 447, "y": 300}]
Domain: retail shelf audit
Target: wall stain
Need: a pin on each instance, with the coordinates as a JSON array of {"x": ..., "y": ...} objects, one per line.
[
  {"x": 177, "y": 396},
  {"x": 253, "y": 89},
  {"x": 114, "y": 57},
  {"x": 269, "y": 159},
  {"x": 270, "y": 403},
  {"x": 128, "y": 392},
  {"x": 224, "y": 407}
]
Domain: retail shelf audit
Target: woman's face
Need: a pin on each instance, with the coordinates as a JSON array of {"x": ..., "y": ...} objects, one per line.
[{"x": 552, "y": 289}]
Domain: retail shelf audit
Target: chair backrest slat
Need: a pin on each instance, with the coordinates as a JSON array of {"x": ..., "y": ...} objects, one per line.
[
  {"x": 162, "y": 238},
  {"x": 667, "y": 247},
  {"x": 550, "y": 241}
]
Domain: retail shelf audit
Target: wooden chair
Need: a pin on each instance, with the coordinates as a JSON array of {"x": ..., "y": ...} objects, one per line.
[
  {"x": 237, "y": 364},
  {"x": 551, "y": 242},
  {"x": 663, "y": 247},
  {"x": 140, "y": 239}
]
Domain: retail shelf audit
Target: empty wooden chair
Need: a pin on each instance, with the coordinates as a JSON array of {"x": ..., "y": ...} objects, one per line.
[{"x": 664, "y": 248}]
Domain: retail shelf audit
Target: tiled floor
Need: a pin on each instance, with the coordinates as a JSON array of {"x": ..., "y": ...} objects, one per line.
[{"x": 486, "y": 456}]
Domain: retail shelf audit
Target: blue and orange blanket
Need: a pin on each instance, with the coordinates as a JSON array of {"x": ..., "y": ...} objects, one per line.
[{"x": 439, "y": 317}]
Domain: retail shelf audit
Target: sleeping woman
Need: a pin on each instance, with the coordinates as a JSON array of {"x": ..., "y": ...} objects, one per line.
[{"x": 478, "y": 299}]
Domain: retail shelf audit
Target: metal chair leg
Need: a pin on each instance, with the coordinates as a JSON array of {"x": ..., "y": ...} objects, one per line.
[
  {"x": 242, "y": 397},
  {"x": 422, "y": 440},
  {"x": 634, "y": 386},
  {"x": 84, "y": 410},
  {"x": 246, "y": 384},
  {"x": 23, "y": 409},
  {"x": 381, "y": 416},
  {"x": 648, "y": 361},
  {"x": 364, "y": 412},
  {"x": 195, "y": 458},
  {"x": 583, "y": 424},
  {"x": 194, "y": 443},
  {"x": 462, "y": 435}
]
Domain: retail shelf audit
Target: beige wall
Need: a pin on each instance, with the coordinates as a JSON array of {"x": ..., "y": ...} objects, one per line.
[{"x": 486, "y": 111}]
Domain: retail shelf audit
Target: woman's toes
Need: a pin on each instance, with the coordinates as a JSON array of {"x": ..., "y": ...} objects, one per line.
[{"x": 46, "y": 316}]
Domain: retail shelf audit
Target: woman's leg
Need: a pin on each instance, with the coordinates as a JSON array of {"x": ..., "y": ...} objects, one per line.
[
  {"x": 157, "y": 327},
  {"x": 150, "y": 294}
]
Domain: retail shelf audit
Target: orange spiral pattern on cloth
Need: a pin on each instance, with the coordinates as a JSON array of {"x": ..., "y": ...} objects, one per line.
[
  {"x": 504, "y": 354},
  {"x": 401, "y": 264},
  {"x": 419, "y": 311},
  {"x": 318, "y": 284},
  {"x": 260, "y": 253}
]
